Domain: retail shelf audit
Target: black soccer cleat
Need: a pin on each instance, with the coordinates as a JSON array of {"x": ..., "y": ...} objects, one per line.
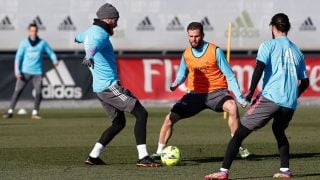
[
  {"x": 147, "y": 162},
  {"x": 94, "y": 161},
  {"x": 7, "y": 115},
  {"x": 156, "y": 156}
]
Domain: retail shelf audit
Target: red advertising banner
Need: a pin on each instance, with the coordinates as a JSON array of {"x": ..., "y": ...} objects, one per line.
[{"x": 150, "y": 78}]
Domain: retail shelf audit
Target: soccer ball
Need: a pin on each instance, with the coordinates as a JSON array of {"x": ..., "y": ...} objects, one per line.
[{"x": 170, "y": 156}]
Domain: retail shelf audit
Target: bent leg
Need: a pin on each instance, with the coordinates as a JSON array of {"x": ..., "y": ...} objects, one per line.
[
  {"x": 256, "y": 117},
  {"x": 233, "y": 147},
  {"x": 167, "y": 127},
  {"x": 37, "y": 84},
  {"x": 231, "y": 108},
  {"x": 118, "y": 123},
  {"x": 280, "y": 123},
  {"x": 140, "y": 128},
  {"x": 188, "y": 106},
  {"x": 20, "y": 85}
]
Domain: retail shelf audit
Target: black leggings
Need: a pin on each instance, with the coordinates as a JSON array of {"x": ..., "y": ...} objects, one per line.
[
  {"x": 119, "y": 122},
  {"x": 281, "y": 121}
]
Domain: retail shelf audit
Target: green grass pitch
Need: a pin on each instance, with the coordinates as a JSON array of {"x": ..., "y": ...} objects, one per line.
[{"x": 55, "y": 147}]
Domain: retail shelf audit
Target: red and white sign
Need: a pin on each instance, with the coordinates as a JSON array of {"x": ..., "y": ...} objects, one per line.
[{"x": 150, "y": 78}]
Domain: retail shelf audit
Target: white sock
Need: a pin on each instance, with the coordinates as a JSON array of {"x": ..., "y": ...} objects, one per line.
[
  {"x": 284, "y": 169},
  {"x": 10, "y": 111},
  {"x": 224, "y": 170},
  {"x": 142, "y": 151},
  {"x": 34, "y": 112},
  {"x": 97, "y": 150},
  {"x": 160, "y": 147}
]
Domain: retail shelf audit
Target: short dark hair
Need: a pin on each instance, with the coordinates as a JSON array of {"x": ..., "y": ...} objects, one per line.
[
  {"x": 281, "y": 22},
  {"x": 194, "y": 26},
  {"x": 33, "y": 25}
]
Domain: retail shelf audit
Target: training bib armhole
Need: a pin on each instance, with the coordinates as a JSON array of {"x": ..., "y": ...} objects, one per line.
[
  {"x": 214, "y": 51},
  {"x": 184, "y": 54}
]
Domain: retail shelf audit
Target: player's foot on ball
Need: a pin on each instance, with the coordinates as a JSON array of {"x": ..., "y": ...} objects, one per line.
[
  {"x": 36, "y": 117},
  {"x": 7, "y": 115},
  {"x": 156, "y": 156},
  {"x": 220, "y": 175},
  {"x": 147, "y": 162},
  {"x": 283, "y": 175},
  {"x": 243, "y": 152},
  {"x": 94, "y": 161}
]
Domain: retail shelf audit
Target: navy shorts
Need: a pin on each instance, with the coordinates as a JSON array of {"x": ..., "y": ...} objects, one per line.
[{"x": 191, "y": 103}]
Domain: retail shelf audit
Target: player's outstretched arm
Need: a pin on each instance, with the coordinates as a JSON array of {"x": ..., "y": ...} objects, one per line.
[
  {"x": 80, "y": 37},
  {"x": 231, "y": 78},
  {"x": 18, "y": 59},
  {"x": 90, "y": 50},
  {"x": 92, "y": 45},
  {"x": 181, "y": 75},
  {"x": 51, "y": 54},
  {"x": 256, "y": 76}
]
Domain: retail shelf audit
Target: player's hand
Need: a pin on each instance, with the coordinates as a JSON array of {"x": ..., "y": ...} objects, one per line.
[
  {"x": 18, "y": 76},
  {"x": 76, "y": 40},
  {"x": 248, "y": 96},
  {"x": 244, "y": 103},
  {"x": 255, "y": 99},
  {"x": 87, "y": 62},
  {"x": 173, "y": 86},
  {"x": 56, "y": 64}
]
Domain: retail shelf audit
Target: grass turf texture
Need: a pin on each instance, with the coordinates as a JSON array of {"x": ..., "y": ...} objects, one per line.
[{"x": 55, "y": 147}]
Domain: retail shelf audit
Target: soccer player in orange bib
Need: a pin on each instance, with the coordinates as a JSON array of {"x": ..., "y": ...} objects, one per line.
[{"x": 209, "y": 75}]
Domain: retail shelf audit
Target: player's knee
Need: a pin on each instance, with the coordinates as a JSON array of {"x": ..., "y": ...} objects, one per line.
[
  {"x": 171, "y": 119},
  {"x": 231, "y": 107},
  {"x": 144, "y": 114},
  {"x": 242, "y": 132},
  {"x": 38, "y": 93},
  {"x": 119, "y": 123},
  {"x": 168, "y": 121},
  {"x": 119, "y": 126},
  {"x": 140, "y": 112},
  {"x": 277, "y": 130},
  {"x": 18, "y": 89}
]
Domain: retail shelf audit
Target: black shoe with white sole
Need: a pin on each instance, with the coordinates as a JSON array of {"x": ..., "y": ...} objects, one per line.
[{"x": 94, "y": 161}]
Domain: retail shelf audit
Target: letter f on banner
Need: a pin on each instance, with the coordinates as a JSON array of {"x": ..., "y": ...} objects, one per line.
[{"x": 149, "y": 72}]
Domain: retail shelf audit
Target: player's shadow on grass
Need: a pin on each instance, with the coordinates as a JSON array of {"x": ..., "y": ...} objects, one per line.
[
  {"x": 198, "y": 161},
  {"x": 14, "y": 124},
  {"x": 294, "y": 176},
  {"x": 253, "y": 157}
]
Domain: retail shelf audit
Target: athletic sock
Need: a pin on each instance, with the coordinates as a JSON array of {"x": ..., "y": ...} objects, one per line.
[
  {"x": 142, "y": 151},
  {"x": 160, "y": 147},
  {"x": 224, "y": 170},
  {"x": 34, "y": 112},
  {"x": 97, "y": 150},
  {"x": 10, "y": 111},
  {"x": 284, "y": 169}
]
